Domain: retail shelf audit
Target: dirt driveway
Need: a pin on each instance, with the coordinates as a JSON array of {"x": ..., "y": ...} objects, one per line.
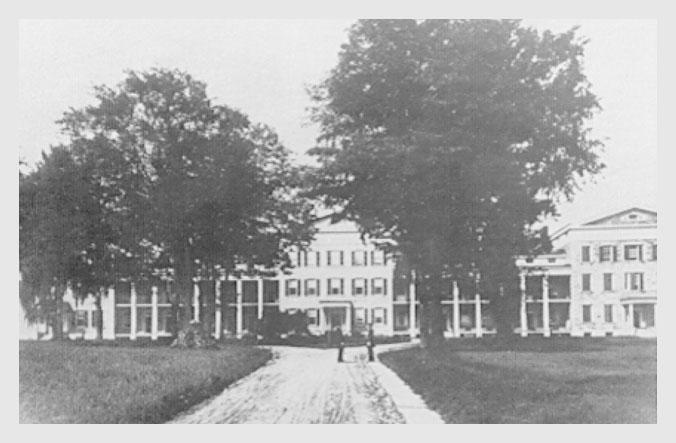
[{"x": 303, "y": 385}]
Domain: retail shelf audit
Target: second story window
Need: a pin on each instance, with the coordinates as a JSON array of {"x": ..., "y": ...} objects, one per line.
[
  {"x": 334, "y": 258},
  {"x": 653, "y": 255},
  {"x": 335, "y": 286},
  {"x": 607, "y": 281},
  {"x": 292, "y": 288},
  {"x": 377, "y": 258},
  {"x": 358, "y": 258},
  {"x": 311, "y": 287},
  {"x": 606, "y": 253},
  {"x": 585, "y": 254},
  {"x": 359, "y": 286},
  {"x": 633, "y": 252},
  {"x": 586, "y": 282},
  {"x": 633, "y": 281},
  {"x": 378, "y": 286}
]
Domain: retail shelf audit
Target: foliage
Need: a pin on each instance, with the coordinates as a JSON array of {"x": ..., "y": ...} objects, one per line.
[
  {"x": 454, "y": 138},
  {"x": 275, "y": 324},
  {"x": 63, "y": 238},
  {"x": 195, "y": 188}
]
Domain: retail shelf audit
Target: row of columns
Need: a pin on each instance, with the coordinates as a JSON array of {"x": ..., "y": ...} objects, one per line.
[
  {"x": 239, "y": 308},
  {"x": 456, "y": 310},
  {"x": 523, "y": 317},
  {"x": 133, "y": 315}
]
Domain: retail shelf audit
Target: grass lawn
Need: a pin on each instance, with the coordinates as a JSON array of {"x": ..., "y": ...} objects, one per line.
[
  {"x": 69, "y": 383},
  {"x": 535, "y": 380}
]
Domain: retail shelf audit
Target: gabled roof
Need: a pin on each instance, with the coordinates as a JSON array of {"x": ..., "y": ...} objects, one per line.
[{"x": 622, "y": 217}]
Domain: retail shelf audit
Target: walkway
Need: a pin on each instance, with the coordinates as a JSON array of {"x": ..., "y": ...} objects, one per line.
[{"x": 305, "y": 385}]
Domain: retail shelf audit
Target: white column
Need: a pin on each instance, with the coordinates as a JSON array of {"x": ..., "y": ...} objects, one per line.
[
  {"x": 108, "y": 317},
  {"x": 631, "y": 318},
  {"x": 322, "y": 320},
  {"x": 348, "y": 320},
  {"x": 545, "y": 305},
  {"x": 456, "y": 309},
  {"x": 522, "y": 312},
  {"x": 260, "y": 298},
  {"x": 218, "y": 302},
  {"x": 239, "y": 321},
  {"x": 132, "y": 322},
  {"x": 390, "y": 309},
  {"x": 477, "y": 315},
  {"x": 154, "y": 316},
  {"x": 411, "y": 306},
  {"x": 196, "y": 302}
]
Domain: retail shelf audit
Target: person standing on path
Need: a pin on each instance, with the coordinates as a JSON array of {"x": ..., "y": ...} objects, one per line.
[
  {"x": 341, "y": 343},
  {"x": 370, "y": 343}
]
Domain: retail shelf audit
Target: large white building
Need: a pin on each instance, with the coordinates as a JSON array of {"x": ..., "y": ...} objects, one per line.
[{"x": 600, "y": 280}]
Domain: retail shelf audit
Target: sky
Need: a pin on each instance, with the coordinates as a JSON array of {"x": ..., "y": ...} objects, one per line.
[{"x": 262, "y": 67}]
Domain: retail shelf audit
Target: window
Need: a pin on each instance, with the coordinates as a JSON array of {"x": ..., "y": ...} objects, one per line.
[
  {"x": 335, "y": 286},
  {"x": 586, "y": 282},
  {"x": 292, "y": 288},
  {"x": 380, "y": 316},
  {"x": 96, "y": 318},
  {"x": 334, "y": 258},
  {"x": 378, "y": 286},
  {"x": 653, "y": 248},
  {"x": 360, "y": 316},
  {"x": 633, "y": 252},
  {"x": 311, "y": 287},
  {"x": 359, "y": 286},
  {"x": 358, "y": 258},
  {"x": 377, "y": 258},
  {"x": 294, "y": 258},
  {"x": 585, "y": 253},
  {"x": 586, "y": 313},
  {"x": 313, "y": 316},
  {"x": 312, "y": 258},
  {"x": 606, "y": 253},
  {"x": 608, "y": 313},
  {"x": 633, "y": 281},
  {"x": 607, "y": 281},
  {"x": 81, "y": 318}
]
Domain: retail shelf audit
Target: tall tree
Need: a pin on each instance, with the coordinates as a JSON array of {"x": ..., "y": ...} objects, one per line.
[
  {"x": 63, "y": 239},
  {"x": 454, "y": 138},
  {"x": 196, "y": 184}
]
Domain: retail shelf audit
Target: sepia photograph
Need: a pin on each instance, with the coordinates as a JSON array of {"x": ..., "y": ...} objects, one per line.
[{"x": 337, "y": 221}]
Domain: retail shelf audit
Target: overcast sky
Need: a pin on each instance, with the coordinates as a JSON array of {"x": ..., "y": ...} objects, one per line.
[{"x": 262, "y": 68}]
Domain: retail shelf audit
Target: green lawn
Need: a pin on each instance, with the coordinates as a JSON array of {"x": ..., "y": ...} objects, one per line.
[
  {"x": 68, "y": 383},
  {"x": 535, "y": 380}
]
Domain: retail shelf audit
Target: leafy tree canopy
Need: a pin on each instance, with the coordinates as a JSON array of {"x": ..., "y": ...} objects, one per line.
[{"x": 454, "y": 137}]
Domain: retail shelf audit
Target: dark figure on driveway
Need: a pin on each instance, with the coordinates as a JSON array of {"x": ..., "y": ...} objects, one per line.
[
  {"x": 370, "y": 343},
  {"x": 339, "y": 339}
]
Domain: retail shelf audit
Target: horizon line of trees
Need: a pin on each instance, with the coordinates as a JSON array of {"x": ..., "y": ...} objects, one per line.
[{"x": 449, "y": 138}]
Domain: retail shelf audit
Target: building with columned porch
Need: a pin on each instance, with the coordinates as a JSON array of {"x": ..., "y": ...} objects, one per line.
[{"x": 599, "y": 280}]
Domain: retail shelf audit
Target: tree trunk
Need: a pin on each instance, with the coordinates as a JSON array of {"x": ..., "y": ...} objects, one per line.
[
  {"x": 99, "y": 310},
  {"x": 184, "y": 285},
  {"x": 57, "y": 322},
  {"x": 431, "y": 322},
  {"x": 429, "y": 278},
  {"x": 208, "y": 301}
]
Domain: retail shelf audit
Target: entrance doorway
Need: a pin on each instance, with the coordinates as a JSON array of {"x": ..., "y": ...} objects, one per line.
[
  {"x": 644, "y": 315},
  {"x": 335, "y": 317}
]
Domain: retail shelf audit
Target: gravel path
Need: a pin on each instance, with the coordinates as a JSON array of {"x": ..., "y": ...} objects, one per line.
[{"x": 302, "y": 385}]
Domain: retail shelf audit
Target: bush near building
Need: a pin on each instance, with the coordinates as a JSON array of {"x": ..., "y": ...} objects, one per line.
[
  {"x": 71, "y": 383},
  {"x": 535, "y": 380}
]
